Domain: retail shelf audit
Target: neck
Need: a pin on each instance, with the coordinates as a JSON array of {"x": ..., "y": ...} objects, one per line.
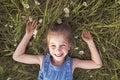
[{"x": 56, "y": 63}]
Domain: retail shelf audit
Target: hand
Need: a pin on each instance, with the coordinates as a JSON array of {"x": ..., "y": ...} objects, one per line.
[
  {"x": 86, "y": 36},
  {"x": 30, "y": 27}
]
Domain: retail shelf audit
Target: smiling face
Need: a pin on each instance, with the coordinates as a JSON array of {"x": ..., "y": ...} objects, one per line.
[
  {"x": 58, "y": 46},
  {"x": 59, "y": 41}
]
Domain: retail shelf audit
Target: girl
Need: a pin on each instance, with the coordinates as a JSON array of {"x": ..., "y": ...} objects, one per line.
[{"x": 56, "y": 64}]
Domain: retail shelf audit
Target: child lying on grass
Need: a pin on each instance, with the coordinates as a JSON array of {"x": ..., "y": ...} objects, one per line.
[{"x": 56, "y": 64}]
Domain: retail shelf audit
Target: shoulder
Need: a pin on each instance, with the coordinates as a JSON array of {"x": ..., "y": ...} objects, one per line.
[
  {"x": 40, "y": 59},
  {"x": 69, "y": 60},
  {"x": 43, "y": 59}
]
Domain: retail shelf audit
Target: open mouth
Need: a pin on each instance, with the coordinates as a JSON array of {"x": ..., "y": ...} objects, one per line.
[{"x": 58, "y": 55}]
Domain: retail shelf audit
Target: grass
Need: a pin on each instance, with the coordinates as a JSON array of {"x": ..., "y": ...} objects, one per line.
[{"x": 101, "y": 17}]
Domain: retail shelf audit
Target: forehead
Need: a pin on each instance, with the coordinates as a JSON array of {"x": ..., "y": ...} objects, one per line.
[{"x": 56, "y": 37}]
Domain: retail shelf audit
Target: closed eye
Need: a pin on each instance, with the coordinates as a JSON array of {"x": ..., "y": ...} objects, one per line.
[
  {"x": 53, "y": 46},
  {"x": 63, "y": 45}
]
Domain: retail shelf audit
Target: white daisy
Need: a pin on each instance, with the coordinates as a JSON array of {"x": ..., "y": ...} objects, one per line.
[
  {"x": 59, "y": 21},
  {"x": 91, "y": 76},
  {"x": 76, "y": 48},
  {"x": 76, "y": 37},
  {"x": 35, "y": 33},
  {"x": 66, "y": 10},
  {"x": 30, "y": 19},
  {"x": 6, "y": 25},
  {"x": 26, "y": 6},
  {"x": 36, "y": 2},
  {"x": 40, "y": 20},
  {"x": 11, "y": 26},
  {"x": 9, "y": 78},
  {"x": 15, "y": 44},
  {"x": 81, "y": 52},
  {"x": 85, "y": 4}
]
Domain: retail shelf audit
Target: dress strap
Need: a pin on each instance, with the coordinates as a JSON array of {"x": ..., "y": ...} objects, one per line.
[
  {"x": 69, "y": 64},
  {"x": 45, "y": 65},
  {"x": 46, "y": 62}
]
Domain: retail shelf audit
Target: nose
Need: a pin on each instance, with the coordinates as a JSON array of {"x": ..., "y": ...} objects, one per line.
[{"x": 58, "y": 49}]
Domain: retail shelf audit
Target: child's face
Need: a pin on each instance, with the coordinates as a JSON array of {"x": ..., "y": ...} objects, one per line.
[{"x": 58, "y": 46}]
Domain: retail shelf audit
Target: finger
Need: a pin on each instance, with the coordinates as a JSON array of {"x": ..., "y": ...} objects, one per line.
[
  {"x": 34, "y": 24},
  {"x": 28, "y": 23},
  {"x": 36, "y": 27},
  {"x": 83, "y": 34},
  {"x": 87, "y": 33}
]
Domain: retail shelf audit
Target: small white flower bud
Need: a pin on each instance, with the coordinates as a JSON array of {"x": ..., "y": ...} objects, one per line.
[
  {"x": 76, "y": 48},
  {"x": 85, "y": 4},
  {"x": 6, "y": 25},
  {"x": 59, "y": 21},
  {"x": 11, "y": 26},
  {"x": 30, "y": 19},
  {"x": 36, "y": 2},
  {"x": 40, "y": 20},
  {"x": 9, "y": 78},
  {"x": 66, "y": 10},
  {"x": 26, "y": 6},
  {"x": 76, "y": 37}
]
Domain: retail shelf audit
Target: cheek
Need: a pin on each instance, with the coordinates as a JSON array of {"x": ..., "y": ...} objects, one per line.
[
  {"x": 65, "y": 49},
  {"x": 50, "y": 49}
]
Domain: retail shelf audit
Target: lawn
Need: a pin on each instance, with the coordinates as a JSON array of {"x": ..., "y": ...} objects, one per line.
[{"x": 100, "y": 17}]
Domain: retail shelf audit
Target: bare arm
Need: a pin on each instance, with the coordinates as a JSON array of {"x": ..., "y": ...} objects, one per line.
[
  {"x": 19, "y": 54},
  {"x": 95, "y": 61}
]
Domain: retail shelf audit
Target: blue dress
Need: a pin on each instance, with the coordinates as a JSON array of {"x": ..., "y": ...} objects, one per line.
[{"x": 52, "y": 72}]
